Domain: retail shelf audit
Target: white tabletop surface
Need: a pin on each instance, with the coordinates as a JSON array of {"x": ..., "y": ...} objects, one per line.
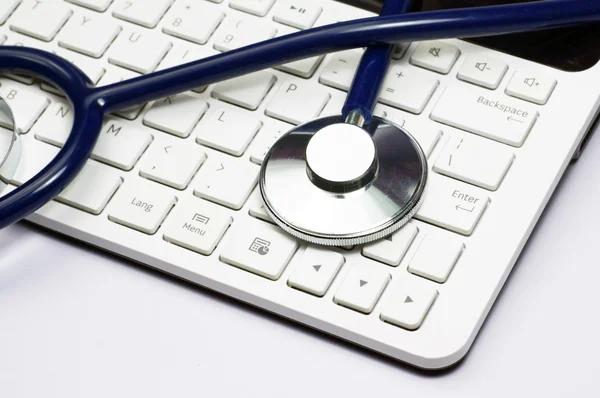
[{"x": 77, "y": 322}]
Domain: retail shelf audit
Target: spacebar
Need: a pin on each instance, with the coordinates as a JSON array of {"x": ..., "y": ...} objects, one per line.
[{"x": 485, "y": 113}]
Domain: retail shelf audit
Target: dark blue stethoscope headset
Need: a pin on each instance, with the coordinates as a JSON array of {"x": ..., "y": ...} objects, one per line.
[{"x": 337, "y": 180}]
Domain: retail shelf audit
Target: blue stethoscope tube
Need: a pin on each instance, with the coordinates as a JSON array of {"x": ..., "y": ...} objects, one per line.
[{"x": 90, "y": 103}]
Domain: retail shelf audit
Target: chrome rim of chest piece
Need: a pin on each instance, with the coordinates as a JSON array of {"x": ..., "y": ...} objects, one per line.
[{"x": 336, "y": 184}]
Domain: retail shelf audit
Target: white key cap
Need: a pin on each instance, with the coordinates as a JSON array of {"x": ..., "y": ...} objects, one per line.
[
  {"x": 300, "y": 14},
  {"x": 140, "y": 52},
  {"x": 194, "y": 22},
  {"x": 239, "y": 33},
  {"x": 316, "y": 270},
  {"x": 255, "y": 7},
  {"x": 304, "y": 68},
  {"x": 172, "y": 165},
  {"x": 121, "y": 145},
  {"x": 297, "y": 102},
  {"x": 26, "y": 107},
  {"x": 177, "y": 115},
  {"x": 227, "y": 130},
  {"x": 91, "y": 68},
  {"x": 142, "y": 12},
  {"x": 115, "y": 75},
  {"x": 55, "y": 124},
  {"x": 2, "y": 39},
  {"x": 267, "y": 136},
  {"x": 335, "y": 104},
  {"x": 475, "y": 160},
  {"x": 23, "y": 41},
  {"x": 340, "y": 69},
  {"x": 96, "y": 5},
  {"x": 485, "y": 113},
  {"x": 408, "y": 303},
  {"x": 362, "y": 287},
  {"x": 246, "y": 91},
  {"x": 79, "y": 195},
  {"x": 225, "y": 182},
  {"x": 260, "y": 248},
  {"x": 400, "y": 50},
  {"x": 483, "y": 71},
  {"x": 180, "y": 54},
  {"x": 531, "y": 86},
  {"x": 41, "y": 19},
  {"x": 452, "y": 205},
  {"x": 89, "y": 34},
  {"x": 141, "y": 205},
  {"x": 257, "y": 208},
  {"x": 391, "y": 250},
  {"x": 197, "y": 226},
  {"x": 436, "y": 256},
  {"x": 35, "y": 155},
  {"x": 435, "y": 55},
  {"x": 6, "y": 9},
  {"x": 407, "y": 88}
]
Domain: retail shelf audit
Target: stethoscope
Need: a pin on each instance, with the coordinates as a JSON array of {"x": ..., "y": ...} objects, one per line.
[{"x": 338, "y": 180}]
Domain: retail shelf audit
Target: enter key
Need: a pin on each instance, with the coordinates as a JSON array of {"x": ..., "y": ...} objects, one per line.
[{"x": 452, "y": 205}]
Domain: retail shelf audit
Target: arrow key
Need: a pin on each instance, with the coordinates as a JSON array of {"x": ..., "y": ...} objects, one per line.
[
  {"x": 407, "y": 304},
  {"x": 316, "y": 270},
  {"x": 362, "y": 287}
]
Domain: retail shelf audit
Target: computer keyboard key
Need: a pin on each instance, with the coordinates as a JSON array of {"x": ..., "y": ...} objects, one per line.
[
  {"x": 121, "y": 145},
  {"x": 7, "y": 7},
  {"x": 227, "y": 130},
  {"x": 146, "y": 13},
  {"x": 303, "y": 68},
  {"x": 407, "y": 88},
  {"x": 247, "y": 91},
  {"x": 194, "y": 22},
  {"x": 452, "y": 204},
  {"x": 391, "y": 249},
  {"x": 362, "y": 287},
  {"x": 177, "y": 115},
  {"x": 15, "y": 39},
  {"x": 96, "y": 5},
  {"x": 531, "y": 86},
  {"x": 297, "y": 13},
  {"x": 92, "y": 69},
  {"x": 257, "y": 207},
  {"x": 197, "y": 225},
  {"x": 181, "y": 54},
  {"x": 78, "y": 194},
  {"x": 340, "y": 69},
  {"x": 35, "y": 155},
  {"x": 26, "y": 106},
  {"x": 260, "y": 248},
  {"x": 54, "y": 126},
  {"x": 116, "y": 75},
  {"x": 240, "y": 33},
  {"x": 475, "y": 160},
  {"x": 89, "y": 34},
  {"x": 482, "y": 71},
  {"x": 267, "y": 136},
  {"x": 435, "y": 55},
  {"x": 298, "y": 102},
  {"x": 139, "y": 52},
  {"x": 408, "y": 303},
  {"x": 400, "y": 50},
  {"x": 485, "y": 113},
  {"x": 255, "y": 7},
  {"x": 225, "y": 182},
  {"x": 141, "y": 205},
  {"x": 172, "y": 165},
  {"x": 436, "y": 256},
  {"x": 316, "y": 270},
  {"x": 41, "y": 20}
]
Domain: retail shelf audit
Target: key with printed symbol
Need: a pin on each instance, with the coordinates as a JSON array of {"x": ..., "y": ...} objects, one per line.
[
  {"x": 141, "y": 205},
  {"x": 531, "y": 86},
  {"x": 340, "y": 69},
  {"x": 177, "y": 115},
  {"x": 362, "y": 287},
  {"x": 267, "y": 136},
  {"x": 435, "y": 55},
  {"x": 115, "y": 75},
  {"x": 255, "y": 7},
  {"x": 247, "y": 91},
  {"x": 146, "y": 13},
  {"x": 408, "y": 303},
  {"x": 257, "y": 207},
  {"x": 260, "y": 248},
  {"x": 436, "y": 256},
  {"x": 180, "y": 54},
  {"x": 139, "y": 52},
  {"x": 316, "y": 270},
  {"x": 297, "y": 13},
  {"x": 297, "y": 102},
  {"x": 482, "y": 71},
  {"x": 197, "y": 226},
  {"x": 41, "y": 20},
  {"x": 23, "y": 41},
  {"x": 485, "y": 113},
  {"x": 452, "y": 204},
  {"x": 391, "y": 249},
  {"x": 193, "y": 21},
  {"x": 172, "y": 165},
  {"x": 89, "y": 35},
  {"x": 240, "y": 33},
  {"x": 6, "y": 9},
  {"x": 226, "y": 183},
  {"x": 26, "y": 107},
  {"x": 121, "y": 145},
  {"x": 96, "y": 5},
  {"x": 55, "y": 124},
  {"x": 475, "y": 160},
  {"x": 409, "y": 89},
  {"x": 227, "y": 130}
]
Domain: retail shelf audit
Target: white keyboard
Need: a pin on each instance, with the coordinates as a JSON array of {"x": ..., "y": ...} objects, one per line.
[{"x": 172, "y": 184}]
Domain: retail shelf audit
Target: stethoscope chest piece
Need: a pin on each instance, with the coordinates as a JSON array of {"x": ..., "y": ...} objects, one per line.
[{"x": 334, "y": 183}]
